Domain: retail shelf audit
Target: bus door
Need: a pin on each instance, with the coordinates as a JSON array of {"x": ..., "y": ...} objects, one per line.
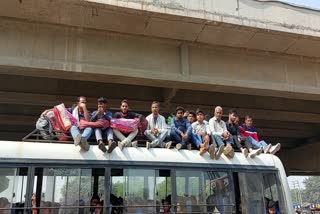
[{"x": 258, "y": 192}]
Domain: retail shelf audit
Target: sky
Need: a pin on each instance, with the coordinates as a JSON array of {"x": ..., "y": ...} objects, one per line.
[
  {"x": 308, "y": 3},
  {"x": 300, "y": 179}
]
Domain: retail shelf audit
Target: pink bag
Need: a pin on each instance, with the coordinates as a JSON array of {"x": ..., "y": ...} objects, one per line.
[
  {"x": 60, "y": 112},
  {"x": 126, "y": 126},
  {"x": 98, "y": 124}
]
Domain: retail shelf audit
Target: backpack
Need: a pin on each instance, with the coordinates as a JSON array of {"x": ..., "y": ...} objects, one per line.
[{"x": 45, "y": 128}]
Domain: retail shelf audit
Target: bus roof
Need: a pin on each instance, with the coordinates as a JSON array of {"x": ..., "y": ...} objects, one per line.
[{"x": 14, "y": 151}]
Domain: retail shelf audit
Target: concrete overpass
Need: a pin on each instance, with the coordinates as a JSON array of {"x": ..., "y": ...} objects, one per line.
[{"x": 258, "y": 57}]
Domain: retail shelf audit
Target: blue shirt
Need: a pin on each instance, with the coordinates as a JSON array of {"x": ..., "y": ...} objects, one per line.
[
  {"x": 107, "y": 115},
  {"x": 181, "y": 126}
]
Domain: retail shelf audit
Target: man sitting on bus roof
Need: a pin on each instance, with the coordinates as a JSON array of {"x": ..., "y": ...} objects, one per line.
[
  {"x": 126, "y": 141},
  {"x": 240, "y": 141},
  {"x": 252, "y": 152},
  {"x": 248, "y": 130},
  {"x": 220, "y": 134},
  {"x": 181, "y": 131},
  {"x": 201, "y": 133},
  {"x": 102, "y": 113},
  {"x": 80, "y": 112},
  {"x": 233, "y": 129},
  {"x": 156, "y": 131}
]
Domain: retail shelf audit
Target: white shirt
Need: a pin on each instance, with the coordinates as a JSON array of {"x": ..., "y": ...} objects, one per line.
[
  {"x": 204, "y": 127},
  {"x": 159, "y": 124},
  {"x": 217, "y": 127}
]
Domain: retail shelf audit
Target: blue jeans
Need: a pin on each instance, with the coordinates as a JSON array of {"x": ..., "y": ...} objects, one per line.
[
  {"x": 255, "y": 144},
  {"x": 85, "y": 133},
  {"x": 197, "y": 140},
  {"x": 156, "y": 140},
  {"x": 174, "y": 136},
  {"x": 218, "y": 140}
]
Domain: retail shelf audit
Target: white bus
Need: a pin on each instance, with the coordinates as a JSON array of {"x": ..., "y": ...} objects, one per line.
[{"x": 61, "y": 179}]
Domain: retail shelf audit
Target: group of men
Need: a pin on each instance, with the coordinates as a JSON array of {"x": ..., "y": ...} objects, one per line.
[{"x": 186, "y": 131}]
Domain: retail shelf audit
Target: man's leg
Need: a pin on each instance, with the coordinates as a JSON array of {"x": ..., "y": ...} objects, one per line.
[
  {"x": 149, "y": 136},
  {"x": 256, "y": 147},
  {"x": 197, "y": 140},
  {"x": 177, "y": 139},
  {"x": 99, "y": 138},
  {"x": 255, "y": 144},
  {"x": 119, "y": 135},
  {"x": 108, "y": 134},
  {"x": 228, "y": 151},
  {"x": 98, "y": 134},
  {"x": 218, "y": 140},
  {"x": 131, "y": 136},
  {"x": 245, "y": 143},
  {"x": 76, "y": 135},
  {"x": 86, "y": 133},
  {"x": 235, "y": 141},
  {"x": 162, "y": 137},
  {"x": 158, "y": 142},
  {"x": 186, "y": 144},
  {"x": 243, "y": 149}
]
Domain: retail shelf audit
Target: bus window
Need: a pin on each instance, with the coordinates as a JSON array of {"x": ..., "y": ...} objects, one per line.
[
  {"x": 163, "y": 191},
  {"x": 140, "y": 191},
  {"x": 251, "y": 193},
  {"x": 272, "y": 192},
  {"x": 218, "y": 192},
  {"x": 117, "y": 191},
  {"x": 56, "y": 187},
  {"x": 13, "y": 184},
  {"x": 189, "y": 185}
]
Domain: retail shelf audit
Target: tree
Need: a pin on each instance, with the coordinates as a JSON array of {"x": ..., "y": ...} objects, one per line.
[{"x": 312, "y": 189}]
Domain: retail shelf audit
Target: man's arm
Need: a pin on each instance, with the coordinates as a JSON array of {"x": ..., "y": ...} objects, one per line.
[
  {"x": 140, "y": 116},
  {"x": 94, "y": 116},
  {"x": 108, "y": 115},
  {"x": 189, "y": 128},
  {"x": 162, "y": 126},
  {"x": 173, "y": 127},
  {"x": 208, "y": 130},
  {"x": 117, "y": 115}
]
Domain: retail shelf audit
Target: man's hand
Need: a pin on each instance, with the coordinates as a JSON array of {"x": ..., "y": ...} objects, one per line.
[
  {"x": 202, "y": 133},
  {"x": 239, "y": 138},
  {"x": 83, "y": 106},
  {"x": 184, "y": 137},
  {"x": 225, "y": 135},
  {"x": 100, "y": 111},
  {"x": 155, "y": 132}
]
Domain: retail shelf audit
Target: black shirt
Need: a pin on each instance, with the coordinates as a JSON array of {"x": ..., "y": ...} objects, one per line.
[{"x": 232, "y": 128}]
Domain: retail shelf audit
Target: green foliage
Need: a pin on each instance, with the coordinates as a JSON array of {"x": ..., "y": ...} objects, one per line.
[{"x": 312, "y": 191}]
